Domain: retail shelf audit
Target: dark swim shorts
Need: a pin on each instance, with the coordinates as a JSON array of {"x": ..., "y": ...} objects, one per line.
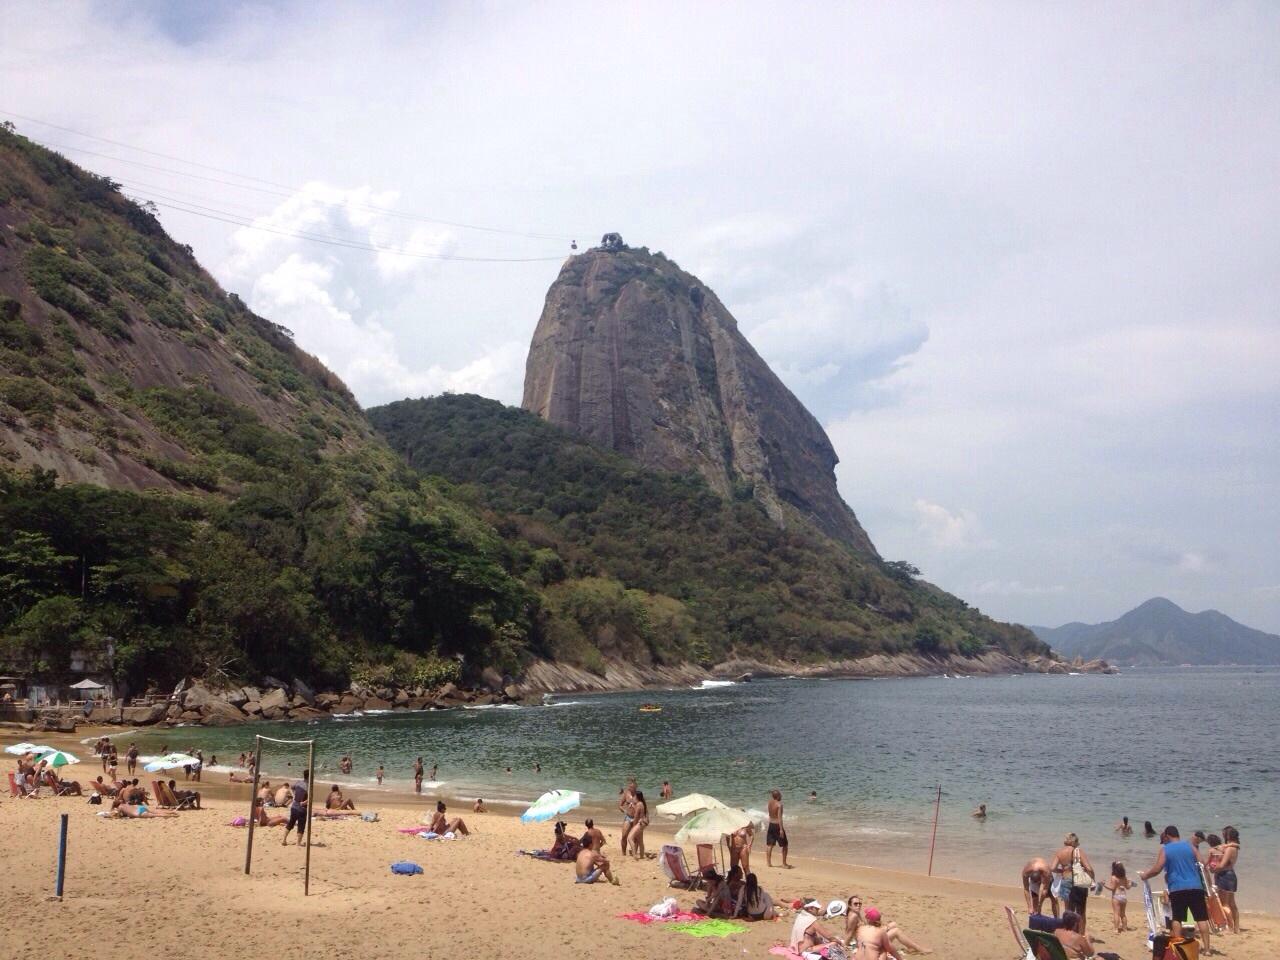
[
  {"x": 1180, "y": 901},
  {"x": 1226, "y": 881},
  {"x": 776, "y": 836}
]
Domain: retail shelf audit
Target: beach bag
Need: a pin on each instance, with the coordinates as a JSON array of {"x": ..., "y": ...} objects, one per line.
[
  {"x": 369, "y": 817},
  {"x": 96, "y": 799},
  {"x": 1079, "y": 875},
  {"x": 406, "y": 868},
  {"x": 666, "y": 908}
]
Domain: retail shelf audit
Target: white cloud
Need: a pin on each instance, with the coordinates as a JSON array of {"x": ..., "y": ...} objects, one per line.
[
  {"x": 949, "y": 530},
  {"x": 1020, "y": 258}
]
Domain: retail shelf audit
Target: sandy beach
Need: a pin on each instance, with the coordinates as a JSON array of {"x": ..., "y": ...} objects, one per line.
[{"x": 177, "y": 886}]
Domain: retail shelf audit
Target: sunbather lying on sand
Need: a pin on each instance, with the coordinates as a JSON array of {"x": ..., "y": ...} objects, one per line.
[
  {"x": 132, "y": 811},
  {"x": 239, "y": 777},
  {"x": 276, "y": 820},
  {"x": 591, "y": 866}
]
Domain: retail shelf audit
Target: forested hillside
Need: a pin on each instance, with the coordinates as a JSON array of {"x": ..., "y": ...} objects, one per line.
[
  {"x": 736, "y": 583},
  {"x": 181, "y": 484}
]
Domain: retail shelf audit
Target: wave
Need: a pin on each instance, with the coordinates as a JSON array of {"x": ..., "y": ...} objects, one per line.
[
  {"x": 712, "y": 684},
  {"x": 491, "y": 706},
  {"x": 566, "y": 703}
]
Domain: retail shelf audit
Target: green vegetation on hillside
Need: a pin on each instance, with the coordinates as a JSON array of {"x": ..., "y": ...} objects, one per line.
[
  {"x": 244, "y": 519},
  {"x": 728, "y": 580}
]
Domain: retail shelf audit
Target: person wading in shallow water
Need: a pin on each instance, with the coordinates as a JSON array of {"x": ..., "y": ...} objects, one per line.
[{"x": 777, "y": 835}]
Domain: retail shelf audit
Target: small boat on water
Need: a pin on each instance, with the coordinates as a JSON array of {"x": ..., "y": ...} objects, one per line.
[{"x": 650, "y": 708}]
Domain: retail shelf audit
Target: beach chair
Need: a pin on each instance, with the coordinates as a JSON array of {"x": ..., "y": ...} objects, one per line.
[
  {"x": 1024, "y": 948},
  {"x": 676, "y": 867},
  {"x": 13, "y": 785},
  {"x": 172, "y": 799},
  {"x": 706, "y": 857},
  {"x": 1045, "y": 946},
  {"x": 163, "y": 798}
]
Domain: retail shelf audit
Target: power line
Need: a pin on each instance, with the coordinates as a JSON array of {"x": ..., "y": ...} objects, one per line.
[
  {"x": 239, "y": 221},
  {"x": 282, "y": 189}
]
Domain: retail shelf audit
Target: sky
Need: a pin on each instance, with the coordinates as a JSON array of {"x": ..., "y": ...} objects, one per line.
[{"x": 1021, "y": 260}]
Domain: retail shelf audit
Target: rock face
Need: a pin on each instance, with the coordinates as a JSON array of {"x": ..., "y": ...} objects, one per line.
[{"x": 639, "y": 356}]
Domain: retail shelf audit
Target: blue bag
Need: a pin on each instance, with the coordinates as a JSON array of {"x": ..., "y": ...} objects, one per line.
[{"x": 406, "y": 867}]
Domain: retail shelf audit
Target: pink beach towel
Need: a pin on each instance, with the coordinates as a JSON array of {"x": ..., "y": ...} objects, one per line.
[{"x": 646, "y": 918}]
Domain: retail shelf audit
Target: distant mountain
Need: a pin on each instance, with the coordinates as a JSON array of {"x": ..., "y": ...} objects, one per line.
[{"x": 1159, "y": 632}]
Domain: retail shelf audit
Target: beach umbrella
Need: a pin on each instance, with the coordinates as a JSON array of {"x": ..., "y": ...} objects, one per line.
[
  {"x": 18, "y": 749},
  {"x": 693, "y": 803},
  {"x": 57, "y": 758},
  {"x": 170, "y": 761},
  {"x": 88, "y": 685},
  {"x": 551, "y": 804},
  {"x": 710, "y": 825}
]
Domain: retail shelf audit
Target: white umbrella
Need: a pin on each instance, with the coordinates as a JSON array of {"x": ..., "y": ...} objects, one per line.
[
  {"x": 694, "y": 802},
  {"x": 87, "y": 684},
  {"x": 57, "y": 758},
  {"x": 169, "y": 761},
  {"x": 18, "y": 749},
  {"x": 551, "y": 804},
  {"x": 710, "y": 825}
]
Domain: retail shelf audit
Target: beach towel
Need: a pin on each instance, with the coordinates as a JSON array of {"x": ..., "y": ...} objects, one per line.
[
  {"x": 406, "y": 868},
  {"x": 414, "y": 830},
  {"x": 431, "y": 835},
  {"x": 780, "y": 951},
  {"x": 709, "y": 928},
  {"x": 679, "y": 915},
  {"x": 239, "y": 822}
]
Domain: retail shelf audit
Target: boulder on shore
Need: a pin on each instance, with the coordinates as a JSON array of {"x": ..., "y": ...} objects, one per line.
[{"x": 276, "y": 699}]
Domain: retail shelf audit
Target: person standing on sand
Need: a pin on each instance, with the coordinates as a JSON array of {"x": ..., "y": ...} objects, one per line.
[
  {"x": 1224, "y": 875},
  {"x": 298, "y": 810},
  {"x": 740, "y": 848},
  {"x": 639, "y": 820},
  {"x": 417, "y": 775},
  {"x": 379, "y": 775},
  {"x": 1037, "y": 885},
  {"x": 131, "y": 759},
  {"x": 777, "y": 835},
  {"x": 626, "y": 797},
  {"x": 1072, "y": 863},
  {"x": 1182, "y": 879}
]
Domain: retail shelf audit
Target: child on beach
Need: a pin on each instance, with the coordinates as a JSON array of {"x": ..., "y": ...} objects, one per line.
[
  {"x": 1118, "y": 884},
  {"x": 379, "y": 774}
]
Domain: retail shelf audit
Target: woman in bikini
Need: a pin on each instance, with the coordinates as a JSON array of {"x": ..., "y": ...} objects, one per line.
[
  {"x": 639, "y": 820},
  {"x": 1224, "y": 875},
  {"x": 870, "y": 940},
  {"x": 1072, "y": 863},
  {"x": 740, "y": 847},
  {"x": 1118, "y": 884}
]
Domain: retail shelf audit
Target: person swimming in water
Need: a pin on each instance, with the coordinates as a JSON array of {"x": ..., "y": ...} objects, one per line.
[{"x": 1124, "y": 828}]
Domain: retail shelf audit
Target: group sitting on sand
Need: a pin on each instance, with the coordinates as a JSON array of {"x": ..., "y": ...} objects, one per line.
[{"x": 866, "y": 933}]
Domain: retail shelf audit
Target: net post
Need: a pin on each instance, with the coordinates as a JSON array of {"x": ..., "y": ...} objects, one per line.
[
  {"x": 934, "y": 839},
  {"x": 311, "y": 799},
  {"x": 62, "y": 855},
  {"x": 253, "y": 800}
]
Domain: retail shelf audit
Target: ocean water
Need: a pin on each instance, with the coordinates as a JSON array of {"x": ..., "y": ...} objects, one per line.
[{"x": 1048, "y": 754}]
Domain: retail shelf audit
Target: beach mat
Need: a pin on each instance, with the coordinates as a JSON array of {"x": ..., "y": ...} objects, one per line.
[
  {"x": 678, "y": 916},
  {"x": 709, "y": 928}
]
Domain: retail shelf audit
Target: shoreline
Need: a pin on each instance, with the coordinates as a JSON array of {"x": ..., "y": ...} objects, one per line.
[
  {"x": 397, "y": 794},
  {"x": 188, "y": 891}
]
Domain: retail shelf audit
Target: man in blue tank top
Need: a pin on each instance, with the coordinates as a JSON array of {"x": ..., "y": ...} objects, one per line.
[{"x": 1183, "y": 880}]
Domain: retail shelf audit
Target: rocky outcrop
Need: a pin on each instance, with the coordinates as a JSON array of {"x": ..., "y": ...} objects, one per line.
[{"x": 641, "y": 357}]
